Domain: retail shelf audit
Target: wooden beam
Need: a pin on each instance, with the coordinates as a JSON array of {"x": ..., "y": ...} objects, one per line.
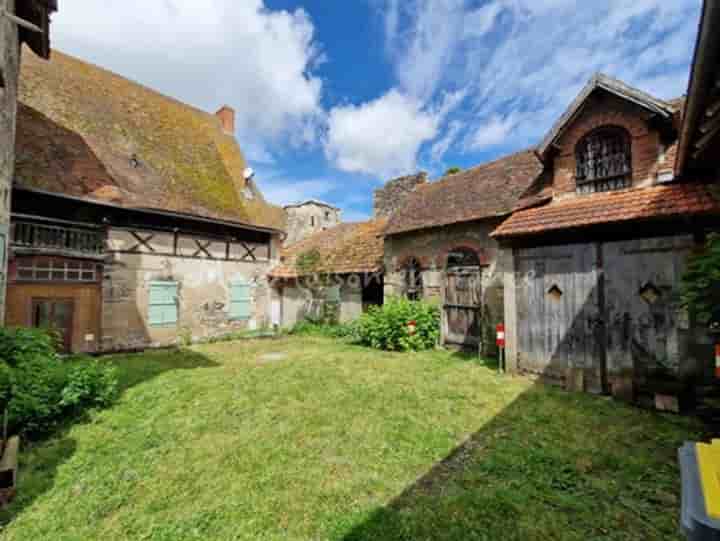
[
  {"x": 713, "y": 108},
  {"x": 22, "y": 22},
  {"x": 705, "y": 140},
  {"x": 710, "y": 125}
]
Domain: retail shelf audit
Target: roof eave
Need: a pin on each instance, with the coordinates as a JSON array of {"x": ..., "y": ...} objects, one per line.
[
  {"x": 229, "y": 223},
  {"x": 602, "y": 82},
  {"x": 704, "y": 70}
]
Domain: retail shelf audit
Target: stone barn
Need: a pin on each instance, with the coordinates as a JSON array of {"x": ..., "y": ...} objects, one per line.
[
  {"x": 338, "y": 269},
  {"x": 438, "y": 245},
  {"x": 599, "y": 245}
]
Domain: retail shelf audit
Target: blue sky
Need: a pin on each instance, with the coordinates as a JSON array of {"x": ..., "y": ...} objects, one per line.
[{"x": 335, "y": 97}]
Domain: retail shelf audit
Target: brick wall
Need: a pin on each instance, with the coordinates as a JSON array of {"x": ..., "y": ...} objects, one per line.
[
  {"x": 9, "y": 64},
  {"x": 650, "y": 154},
  {"x": 389, "y": 198}
]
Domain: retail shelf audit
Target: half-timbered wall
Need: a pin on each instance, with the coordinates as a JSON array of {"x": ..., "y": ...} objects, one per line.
[{"x": 204, "y": 270}]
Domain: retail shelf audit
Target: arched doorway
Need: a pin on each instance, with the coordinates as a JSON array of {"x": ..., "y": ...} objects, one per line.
[{"x": 462, "y": 303}]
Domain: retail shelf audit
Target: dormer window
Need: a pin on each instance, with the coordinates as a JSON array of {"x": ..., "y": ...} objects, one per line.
[{"x": 603, "y": 160}]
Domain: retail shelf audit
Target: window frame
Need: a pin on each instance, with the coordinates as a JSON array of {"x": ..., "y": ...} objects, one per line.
[
  {"x": 614, "y": 137},
  {"x": 175, "y": 303},
  {"x": 247, "y": 300}
]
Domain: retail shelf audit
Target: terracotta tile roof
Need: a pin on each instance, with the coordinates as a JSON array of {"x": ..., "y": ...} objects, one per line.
[
  {"x": 663, "y": 201},
  {"x": 82, "y": 128},
  {"x": 345, "y": 248},
  {"x": 484, "y": 191}
]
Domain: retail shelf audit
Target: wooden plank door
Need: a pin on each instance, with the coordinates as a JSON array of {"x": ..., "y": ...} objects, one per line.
[
  {"x": 647, "y": 329},
  {"x": 56, "y": 315},
  {"x": 559, "y": 321},
  {"x": 463, "y": 306}
]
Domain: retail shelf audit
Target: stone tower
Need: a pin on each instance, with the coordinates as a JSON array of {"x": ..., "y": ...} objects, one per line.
[{"x": 308, "y": 217}]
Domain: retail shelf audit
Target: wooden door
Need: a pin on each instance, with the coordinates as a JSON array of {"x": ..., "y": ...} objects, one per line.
[
  {"x": 462, "y": 299},
  {"x": 57, "y": 315},
  {"x": 647, "y": 328},
  {"x": 559, "y": 315},
  {"x": 463, "y": 306}
]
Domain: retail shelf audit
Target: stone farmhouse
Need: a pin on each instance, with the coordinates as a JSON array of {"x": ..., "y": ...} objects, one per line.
[{"x": 134, "y": 220}]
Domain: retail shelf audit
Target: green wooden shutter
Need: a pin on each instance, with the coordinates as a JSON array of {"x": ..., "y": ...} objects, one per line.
[
  {"x": 332, "y": 294},
  {"x": 162, "y": 304},
  {"x": 240, "y": 300}
]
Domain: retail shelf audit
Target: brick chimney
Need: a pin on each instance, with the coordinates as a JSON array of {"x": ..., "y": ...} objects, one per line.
[{"x": 227, "y": 119}]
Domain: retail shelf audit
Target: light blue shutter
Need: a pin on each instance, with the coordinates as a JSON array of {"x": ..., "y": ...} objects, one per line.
[
  {"x": 332, "y": 294},
  {"x": 162, "y": 305},
  {"x": 239, "y": 300}
]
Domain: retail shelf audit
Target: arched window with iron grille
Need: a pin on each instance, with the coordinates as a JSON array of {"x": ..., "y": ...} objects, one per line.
[{"x": 604, "y": 160}]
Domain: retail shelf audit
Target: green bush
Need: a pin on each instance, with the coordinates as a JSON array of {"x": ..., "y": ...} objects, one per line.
[
  {"x": 337, "y": 330},
  {"x": 388, "y": 327},
  {"x": 701, "y": 281},
  {"x": 40, "y": 389}
]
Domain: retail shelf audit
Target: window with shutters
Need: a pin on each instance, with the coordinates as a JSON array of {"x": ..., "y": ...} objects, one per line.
[
  {"x": 603, "y": 160},
  {"x": 163, "y": 304},
  {"x": 240, "y": 300}
]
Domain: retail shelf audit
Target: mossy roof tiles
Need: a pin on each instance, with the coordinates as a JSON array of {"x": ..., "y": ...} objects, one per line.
[{"x": 82, "y": 128}]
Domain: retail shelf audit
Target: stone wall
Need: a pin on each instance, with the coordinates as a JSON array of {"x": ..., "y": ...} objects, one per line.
[
  {"x": 203, "y": 290},
  {"x": 9, "y": 67},
  {"x": 390, "y": 197},
  {"x": 431, "y": 247},
  {"x": 296, "y": 300},
  {"x": 308, "y": 218}
]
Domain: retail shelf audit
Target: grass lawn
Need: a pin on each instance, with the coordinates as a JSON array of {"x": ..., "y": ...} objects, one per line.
[{"x": 308, "y": 438}]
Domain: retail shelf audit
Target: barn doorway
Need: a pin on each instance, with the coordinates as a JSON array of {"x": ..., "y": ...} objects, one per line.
[{"x": 462, "y": 299}]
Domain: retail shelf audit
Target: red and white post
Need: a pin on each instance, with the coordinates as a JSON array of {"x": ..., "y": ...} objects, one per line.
[
  {"x": 500, "y": 341},
  {"x": 717, "y": 360}
]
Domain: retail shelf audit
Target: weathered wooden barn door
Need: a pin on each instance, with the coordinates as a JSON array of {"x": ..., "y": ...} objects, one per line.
[
  {"x": 559, "y": 323},
  {"x": 647, "y": 329},
  {"x": 462, "y": 299}
]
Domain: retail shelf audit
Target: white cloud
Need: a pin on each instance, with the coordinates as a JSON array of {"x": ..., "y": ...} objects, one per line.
[
  {"x": 208, "y": 54},
  {"x": 442, "y": 145},
  {"x": 479, "y": 22},
  {"x": 492, "y": 133},
  {"x": 381, "y": 137},
  {"x": 426, "y": 46}
]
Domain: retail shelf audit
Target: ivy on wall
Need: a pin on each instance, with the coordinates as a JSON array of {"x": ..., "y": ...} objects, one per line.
[{"x": 701, "y": 283}]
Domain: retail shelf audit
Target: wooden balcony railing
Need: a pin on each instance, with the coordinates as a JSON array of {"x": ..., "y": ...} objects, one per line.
[{"x": 53, "y": 238}]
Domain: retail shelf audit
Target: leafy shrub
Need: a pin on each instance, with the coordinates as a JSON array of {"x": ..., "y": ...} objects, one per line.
[
  {"x": 388, "y": 327},
  {"x": 701, "y": 282},
  {"x": 39, "y": 388},
  {"x": 89, "y": 385},
  {"x": 338, "y": 330}
]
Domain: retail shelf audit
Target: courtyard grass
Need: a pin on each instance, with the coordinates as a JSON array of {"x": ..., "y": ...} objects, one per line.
[{"x": 309, "y": 438}]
